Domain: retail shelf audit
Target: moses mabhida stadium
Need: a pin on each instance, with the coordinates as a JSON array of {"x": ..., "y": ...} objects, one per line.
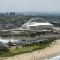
[{"x": 37, "y": 24}]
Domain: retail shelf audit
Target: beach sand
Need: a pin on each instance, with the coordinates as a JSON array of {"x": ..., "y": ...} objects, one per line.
[{"x": 39, "y": 54}]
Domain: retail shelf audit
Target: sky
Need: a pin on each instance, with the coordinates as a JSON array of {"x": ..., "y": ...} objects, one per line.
[{"x": 29, "y": 5}]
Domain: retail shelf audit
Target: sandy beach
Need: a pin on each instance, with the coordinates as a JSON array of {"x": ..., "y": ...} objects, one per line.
[{"x": 38, "y": 55}]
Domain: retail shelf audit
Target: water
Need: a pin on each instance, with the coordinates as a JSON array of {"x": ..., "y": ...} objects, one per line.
[
  {"x": 54, "y": 58},
  {"x": 5, "y": 40},
  {"x": 19, "y": 41}
]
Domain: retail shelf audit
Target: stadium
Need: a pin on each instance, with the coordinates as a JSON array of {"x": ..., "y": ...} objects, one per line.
[{"x": 37, "y": 24}]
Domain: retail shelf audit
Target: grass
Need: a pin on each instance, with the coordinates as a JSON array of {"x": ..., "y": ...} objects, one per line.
[{"x": 25, "y": 49}]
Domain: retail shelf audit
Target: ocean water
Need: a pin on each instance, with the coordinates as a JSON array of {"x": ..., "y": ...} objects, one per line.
[{"x": 54, "y": 58}]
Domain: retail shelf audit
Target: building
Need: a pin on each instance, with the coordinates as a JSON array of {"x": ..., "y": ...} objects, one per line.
[{"x": 37, "y": 24}]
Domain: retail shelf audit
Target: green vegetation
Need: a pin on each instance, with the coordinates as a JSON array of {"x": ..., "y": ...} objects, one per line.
[{"x": 25, "y": 49}]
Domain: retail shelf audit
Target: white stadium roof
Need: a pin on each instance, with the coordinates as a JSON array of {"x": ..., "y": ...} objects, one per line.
[{"x": 37, "y": 24}]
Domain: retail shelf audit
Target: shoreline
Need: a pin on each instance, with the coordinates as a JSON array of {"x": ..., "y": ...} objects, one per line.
[
  {"x": 54, "y": 51},
  {"x": 49, "y": 56},
  {"x": 48, "y": 52}
]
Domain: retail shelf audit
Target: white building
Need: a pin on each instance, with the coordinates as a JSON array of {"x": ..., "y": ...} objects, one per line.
[{"x": 37, "y": 24}]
